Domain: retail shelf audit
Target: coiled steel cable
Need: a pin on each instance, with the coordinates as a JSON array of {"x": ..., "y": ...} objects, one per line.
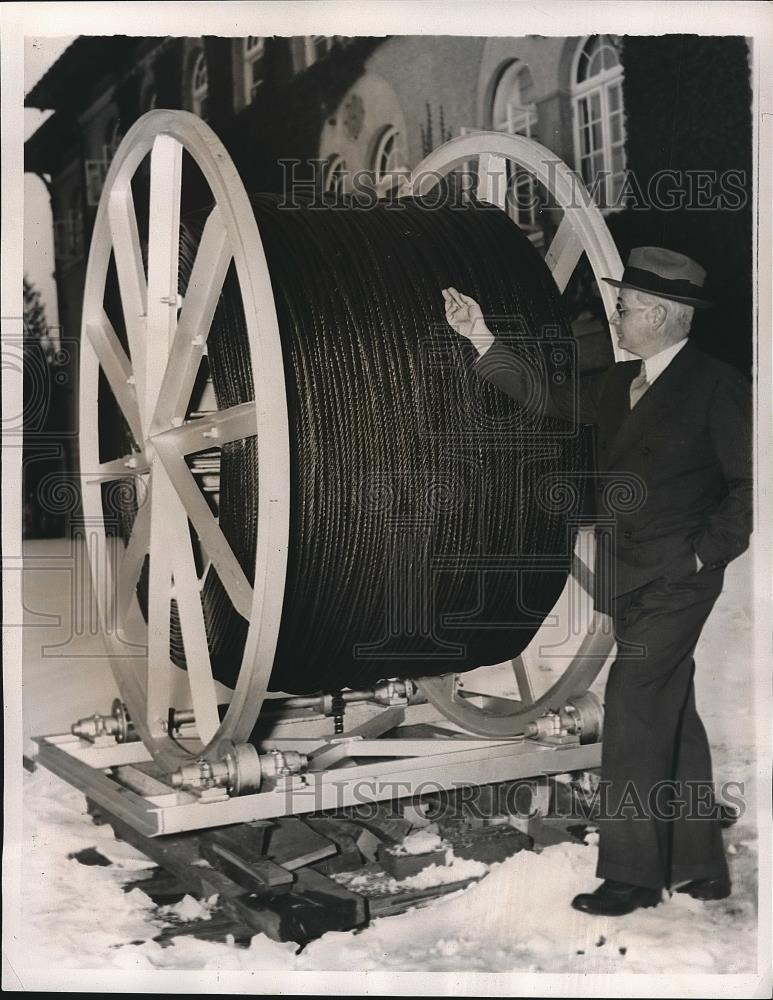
[{"x": 420, "y": 540}]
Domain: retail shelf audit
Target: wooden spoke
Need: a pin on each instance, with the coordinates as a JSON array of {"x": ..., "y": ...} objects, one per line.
[
  {"x": 564, "y": 253},
  {"x": 163, "y": 263},
  {"x": 206, "y": 281},
  {"x": 213, "y": 541},
  {"x": 159, "y": 676},
  {"x": 492, "y": 179},
  {"x": 117, "y": 369},
  {"x": 131, "y": 276},
  {"x": 186, "y": 588},
  {"x": 217, "y": 429},
  {"x": 522, "y": 679}
]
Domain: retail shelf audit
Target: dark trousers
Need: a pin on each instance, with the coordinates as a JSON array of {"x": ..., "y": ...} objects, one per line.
[{"x": 656, "y": 761}]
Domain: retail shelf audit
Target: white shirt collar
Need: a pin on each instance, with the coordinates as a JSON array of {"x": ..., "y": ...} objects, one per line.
[{"x": 657, "y": 364}]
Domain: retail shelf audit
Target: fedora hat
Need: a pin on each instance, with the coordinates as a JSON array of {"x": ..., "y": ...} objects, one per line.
[{"x": 664, "y": 273}]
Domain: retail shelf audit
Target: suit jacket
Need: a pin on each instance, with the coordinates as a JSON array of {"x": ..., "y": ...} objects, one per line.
[{"x": 673, "y": 475}]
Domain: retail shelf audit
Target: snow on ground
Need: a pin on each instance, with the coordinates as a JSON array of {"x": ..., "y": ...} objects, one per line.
[{"x": 517, "y": 918}]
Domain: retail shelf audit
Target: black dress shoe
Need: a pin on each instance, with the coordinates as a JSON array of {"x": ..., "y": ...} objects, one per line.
[
  {"x": 615, "y": 899},
  {"x": 707, "y": 888}
]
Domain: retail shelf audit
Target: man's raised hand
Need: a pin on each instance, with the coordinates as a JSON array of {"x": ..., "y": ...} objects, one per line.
[{"x": 464, "y": 315}]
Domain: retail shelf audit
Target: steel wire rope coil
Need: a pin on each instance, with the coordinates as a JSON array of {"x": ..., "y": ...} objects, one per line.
[{"x": 384, "y": 579}]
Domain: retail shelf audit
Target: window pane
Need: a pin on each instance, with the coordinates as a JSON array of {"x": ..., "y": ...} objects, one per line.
[
  {"x": 588, "y": 59},
  {"x": 599, "y": 125}
]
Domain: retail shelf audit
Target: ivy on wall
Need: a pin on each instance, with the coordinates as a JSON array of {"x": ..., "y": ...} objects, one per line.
[{"x": 688, "y": 110}]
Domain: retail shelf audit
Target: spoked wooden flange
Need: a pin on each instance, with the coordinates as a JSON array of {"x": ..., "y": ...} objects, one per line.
[
  {"x": 150, "y": 362},
  {"x": 582, "y": 230}
]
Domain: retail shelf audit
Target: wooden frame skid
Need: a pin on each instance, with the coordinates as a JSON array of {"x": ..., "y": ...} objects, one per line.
[{"x": 413, "y": 768}]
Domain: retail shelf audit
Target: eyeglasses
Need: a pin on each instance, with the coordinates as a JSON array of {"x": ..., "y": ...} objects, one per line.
[{"x": 622, "y": 310}]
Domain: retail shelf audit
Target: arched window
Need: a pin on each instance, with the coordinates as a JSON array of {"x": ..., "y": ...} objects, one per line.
[
  {"x": 599, "y": 139},
  {"x": 318, "y": 46},
  {"x": 335, "y": 175},
  {"x": 199, "y": 84},
  {"x": 389, "y": 160},
  {"x": 253, "y": 51},
  {"x": 514, "y": 111}
]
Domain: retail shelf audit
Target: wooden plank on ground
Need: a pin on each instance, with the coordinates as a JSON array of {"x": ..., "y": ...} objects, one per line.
[
  {"x": 216, "y": 929},
  {"x": 344, "y": 835},
  {"x": 179, "y": 854},
  {"x": 250, "y": 840},
  {"x": 260, "y": 876},
  {"x": 388, "y": 905},
  {"x": 159, "y": 885},
  {"x": 293, "y": 844},
  {"x": 317, "y": 905}
]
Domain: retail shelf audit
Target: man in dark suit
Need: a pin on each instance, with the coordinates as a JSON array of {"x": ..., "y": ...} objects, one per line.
[{"x": 676, "y": 424}]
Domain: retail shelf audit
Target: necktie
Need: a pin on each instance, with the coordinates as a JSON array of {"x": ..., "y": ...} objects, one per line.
[{"x": 639, "y": 386}]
